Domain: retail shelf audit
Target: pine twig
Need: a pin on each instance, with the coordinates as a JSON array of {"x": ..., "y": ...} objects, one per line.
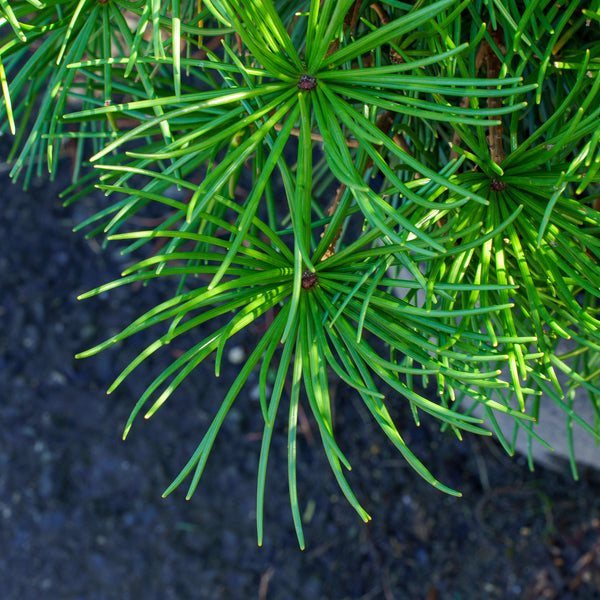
[{"x": 486, "y": 56}]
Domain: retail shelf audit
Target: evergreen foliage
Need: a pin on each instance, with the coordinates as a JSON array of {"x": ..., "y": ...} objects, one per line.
[{"x": 423, "y": 205}]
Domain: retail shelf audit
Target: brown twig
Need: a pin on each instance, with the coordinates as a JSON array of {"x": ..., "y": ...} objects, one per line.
[
  {"x": 317, "y": 137},
  {"x": 350, "y": 142},
  {"x": 384, "y": 122},
  {"x": 395, "y": 57},
  {"x": 263, "y": 586},
  {"x": 381, "y": 13},
  {"x": 350, "y": 21},
  {"x": 486, "y": 56},
  {"x": 351, "y": 18},
  {"x": 456, "y": 141},
  {"x": 331, "y": 211}
]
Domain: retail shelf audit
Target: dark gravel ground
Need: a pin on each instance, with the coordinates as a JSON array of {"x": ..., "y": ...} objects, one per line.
[{"x": 81, "y": 513}]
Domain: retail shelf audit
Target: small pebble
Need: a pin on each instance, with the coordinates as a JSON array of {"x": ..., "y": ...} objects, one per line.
[
  {"x": 57, "y": 378},
  {"x": 236, "y": 355},
  {"x": 255, "y": 392}
]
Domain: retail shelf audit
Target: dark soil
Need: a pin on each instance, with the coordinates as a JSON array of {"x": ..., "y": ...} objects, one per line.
[{"x": 81, "y": 513}]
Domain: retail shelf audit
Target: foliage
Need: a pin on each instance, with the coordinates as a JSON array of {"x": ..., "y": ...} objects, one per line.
[{"x": 422, "y": 208}]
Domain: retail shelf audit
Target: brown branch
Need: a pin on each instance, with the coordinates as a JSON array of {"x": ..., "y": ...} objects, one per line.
[
  {"x": 456, "y": 141},
  {"x": 331, "y": 211},
  {"x": 384, "y": 123},
  {"x": 351, "y": 18},
  {"x": 317, "y": 137},
  {"x": 353, "y": 143},
  {"x": 350, "y": 21},
  {"x": 486, "y": 56},
  {"x": 381, "y": 13}
]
